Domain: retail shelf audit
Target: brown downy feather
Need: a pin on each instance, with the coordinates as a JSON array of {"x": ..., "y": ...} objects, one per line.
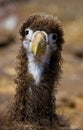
[{"x": 37, "y": 110}]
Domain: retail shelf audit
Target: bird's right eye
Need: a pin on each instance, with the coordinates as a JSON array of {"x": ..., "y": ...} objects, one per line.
[{"x": 28, "y": 33}]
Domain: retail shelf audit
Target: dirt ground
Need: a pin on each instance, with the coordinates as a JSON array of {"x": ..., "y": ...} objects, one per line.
[{"x": 70, "y": 90}]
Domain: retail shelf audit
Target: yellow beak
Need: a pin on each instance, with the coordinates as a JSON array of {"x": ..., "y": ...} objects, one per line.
[{"x": 39, "y": 44}]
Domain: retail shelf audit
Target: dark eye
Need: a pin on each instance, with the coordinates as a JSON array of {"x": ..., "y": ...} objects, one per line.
[
  {"x": 26, "y": 32},
  {"x": 54, "y": 37}
]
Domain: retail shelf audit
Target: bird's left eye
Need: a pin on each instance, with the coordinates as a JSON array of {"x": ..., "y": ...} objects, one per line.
[{"x": 52, "y": 38}]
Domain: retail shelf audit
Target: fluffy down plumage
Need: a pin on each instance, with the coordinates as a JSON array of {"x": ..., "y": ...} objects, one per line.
[{"x": 34, "y": 106}]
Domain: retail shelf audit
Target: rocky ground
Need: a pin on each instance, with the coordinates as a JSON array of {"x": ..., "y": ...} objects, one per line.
[{"x": 70, "y": 90}]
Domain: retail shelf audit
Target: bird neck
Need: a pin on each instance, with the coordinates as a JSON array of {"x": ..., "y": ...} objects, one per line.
[
  {"x": 36, "y": 67},
  {"x": 34, "y": 102}
]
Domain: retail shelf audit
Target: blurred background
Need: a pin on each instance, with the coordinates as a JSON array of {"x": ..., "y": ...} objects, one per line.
[{"x": 70, "y": 91}]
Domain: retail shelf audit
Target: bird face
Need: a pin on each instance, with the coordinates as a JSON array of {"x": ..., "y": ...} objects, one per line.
[
  {"x": 42, "y": 39},
  {"x": 40, "y": 44}
]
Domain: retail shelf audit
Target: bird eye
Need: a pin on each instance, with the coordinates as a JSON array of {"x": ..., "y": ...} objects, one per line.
[
  {"x": 52, "y": 38},
  {"x": 28, "y": 33}
]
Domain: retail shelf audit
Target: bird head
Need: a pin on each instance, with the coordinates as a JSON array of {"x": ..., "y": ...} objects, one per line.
[{"x": 42, "y": 36}]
